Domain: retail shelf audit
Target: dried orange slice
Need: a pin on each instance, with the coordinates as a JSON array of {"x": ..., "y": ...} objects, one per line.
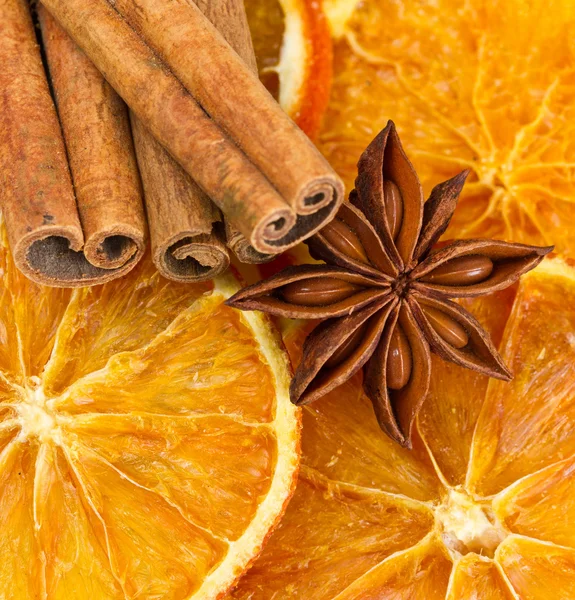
[
  {"x": 294, "y": 50},
  {"x": 147, "y": 441},
  {"x": 482, "y": 508},
  {"x": 481, "y": 85},
  {"x": 338, "y": 13}
]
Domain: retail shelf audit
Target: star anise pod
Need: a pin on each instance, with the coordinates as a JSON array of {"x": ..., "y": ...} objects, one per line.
[{"x": 386, "y": 293}]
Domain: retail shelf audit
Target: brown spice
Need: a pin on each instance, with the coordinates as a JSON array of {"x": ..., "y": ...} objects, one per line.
[
  {"x": 186, "y": 240},
  {"x": 231, "y": 93},
  {"x": 33, "y": 165},
  {"x": 230, "y": 19},
  {"x": 99, "y": 145},
  {"x": 175, "y": 119},
  {"x": 36, "y": 192},
  {"x": 223, "y": 171},
  {"x": 185, "y": 245},
  {"x": 386, "y": 281}
]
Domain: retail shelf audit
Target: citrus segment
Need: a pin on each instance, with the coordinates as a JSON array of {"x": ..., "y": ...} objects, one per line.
[
  {"x": 20, "y": 564},
  {"x": 449, "y": 414},
  {"x": 455, "y": 75},
  {"x": 538, "y": 405},
  {"x": 8, "y": 426},
  {"x": 538, "y": 571},
  {"x": 542, "y": 505},
  {"x": 338, "y": 13},
  {"x": 154, "y": 550},
  {"x": 398, "y": 51},
  {"x": 343, "y": 442},
  {"x": 477, "y": 578},
  {"x": 327, "y": 554},
  {"x": 195, "y": 474},
  {"x": 421, "y": 572},
  {"x": 8, "y": 394},
  {"x": 205, "y": 362},
  {"x": 76, "y": 565},
  {"x": 10, "y": 358},
  {"x": 36, "y": 311},
  {"x": 103, "y": 321}
]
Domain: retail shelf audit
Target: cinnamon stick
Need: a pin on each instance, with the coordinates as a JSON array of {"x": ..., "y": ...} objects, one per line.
[
  {"x": 230, "y": 19},
  {"x": 98, "y": 140},
  {"x": 175, "y": 119},
  {"x": 33, "y": 165},
  {"x": 224, "y": 172},
  {"x": 185, "y": 245},
  {"x": 36, "y": 191},
  {"x": 233, "y": 96}
]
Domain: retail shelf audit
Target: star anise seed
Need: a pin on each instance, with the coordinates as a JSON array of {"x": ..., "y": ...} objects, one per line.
[{"x": 385, "y": 292}]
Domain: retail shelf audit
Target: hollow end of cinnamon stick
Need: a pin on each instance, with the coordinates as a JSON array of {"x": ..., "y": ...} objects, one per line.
[
  {"x": 113, "y": 248},
  {"x": 54, "y": 256},
  {"x": 303, "y": 227},
  {"x": 241, "y": 247},
  {"x": 276, "y": 225},
  {"x": 191, "y": 257},
  {"x": 318, "y": 194},
  {"x": 95, "y": 127},
  {"x": 186, "y": 243}
]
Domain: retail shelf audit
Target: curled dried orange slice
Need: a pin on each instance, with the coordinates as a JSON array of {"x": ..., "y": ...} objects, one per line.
[
  {"x": 482, "y": 508},
  {"x": 293, "y": 45},
  {"x": 147, "y": 441},
  {"x": 481, "y": 85}
]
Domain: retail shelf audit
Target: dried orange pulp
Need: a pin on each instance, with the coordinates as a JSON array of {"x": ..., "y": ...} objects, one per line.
[
  {"x": 147, "y": 441},
  {"x": 482, "y": 508},
  {"x": 485, "y": 85}
]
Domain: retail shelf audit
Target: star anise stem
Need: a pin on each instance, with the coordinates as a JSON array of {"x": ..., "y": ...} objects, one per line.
[{"x": 385, "y": 293}]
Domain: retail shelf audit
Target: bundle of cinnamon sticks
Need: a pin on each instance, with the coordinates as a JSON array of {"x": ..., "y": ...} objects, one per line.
[{"x": 147, "y": 121}]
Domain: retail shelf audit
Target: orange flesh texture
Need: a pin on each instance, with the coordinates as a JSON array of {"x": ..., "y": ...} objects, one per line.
[
  {"x": 482, "y": 508},
  {"x": 485, "y": 86},
  {"x": 477, "y": 578},
  {"x": 139, "y": 432}
]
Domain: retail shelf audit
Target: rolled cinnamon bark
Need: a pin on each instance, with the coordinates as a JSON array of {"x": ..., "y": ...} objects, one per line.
[
  {"x": 36, "y": 192},
  {"x": 231, "y": 93},
  {"x": 242, "y": 248},
  {"x": 98, "y": 140},
  {"x": 38, "y": 201},
  {"x": 185, "y": 244},
  {"x": 175, "y": 119},
  {"x": 230, "y": 19}
]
